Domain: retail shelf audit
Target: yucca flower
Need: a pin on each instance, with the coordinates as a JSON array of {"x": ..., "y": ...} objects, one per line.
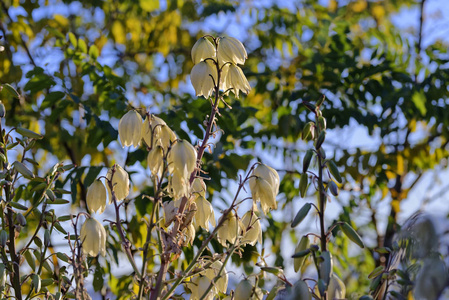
[
  {"x": 235, "y": 80},
  {"x": 170, "y": 211},
  {"x": 182, "y": 159},
  {"x": 198, "y": 187},
  {"x": 204, "y": 214},
  {"x": 120, "y": 183},
  {"x": 130, "y": 129},
  {"x": 179, "y": 186},
  {"x": 231, "y": 50},
  {"x": 229, "y": 229},
  {"x": 96, "y": 197},
  {"x": 264, "y": 185},
  {"x": 251, "y": 231},
  {"x": 162, "y": 134},
  {"x": 200, "y": 76},
  {"x": 155, "y": 161},
  {"x": 93, "y": 238},
  {"x": 202, "y": 50},
  {"x": 198, "y": 286},
  {"x": 222, "y": 283},
  {"x": 189, "y": 233}
]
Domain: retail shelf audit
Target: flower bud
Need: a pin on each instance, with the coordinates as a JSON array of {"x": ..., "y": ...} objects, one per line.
[
  {"x": 3, "y": 238},
  {"x": 303, "y": 244},
  {"x": 2, "y": 110},
  {"x": 2, "y": 275},
  {"x": 243, "y": 290},
  {"x": 120, "y": 182},
  {"x": 203, "y": 49},
  {"x": 155, "y": 131},
  {"x": 204, "y": 214},
  {"x": 155, "y": 161},
  {"x": 229, "y": 229},
  {"x": 96, "y": 197},
  {"x": 336, "y": 289},
  {"x": 251, "y": 230},
  {"x": 182, "y": 159},
  {"x": 231, "y": 50},
  {"x": 130, "y": 129},
  {"x": 300, "y": 291},
  {"x": 93, "y": 238},
  {"x": 431, "y": 279},
  {"x": 236, "y": 81},
  {"x": 200, "y": 76}
]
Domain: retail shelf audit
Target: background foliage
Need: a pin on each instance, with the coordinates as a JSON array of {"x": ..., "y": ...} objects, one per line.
[{"x": 79, "y": 65}]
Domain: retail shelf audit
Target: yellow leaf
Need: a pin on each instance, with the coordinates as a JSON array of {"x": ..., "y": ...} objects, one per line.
[
  {"x": 118, "y": 32},
  {"x": 395, "y": 205},
  {"x": 149, "y": 5},
  {"x": 63, "y": 21},
  {"x": 359, "y": 6}
]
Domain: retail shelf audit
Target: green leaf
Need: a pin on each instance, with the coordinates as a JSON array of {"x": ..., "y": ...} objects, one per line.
[
  {"x": 376, "y": 272},
  {"x": 11, "y": 90},
  {"x": 419, "y": 99},
  {"x": 82, "y": 45},
  {"x": 72, "y": 39},
  {"x": 18, "y": 205},
  {"x": 28, "y": 133},
  {"x": 94, "y": 52}
]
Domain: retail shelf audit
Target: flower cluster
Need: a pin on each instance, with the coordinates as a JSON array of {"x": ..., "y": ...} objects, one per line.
[
  {"x": 216, "y": 66},
  {"x": 93, "y": 234},
  {"x": 199, "y": 284},
  {"x": 264, "y": 185},
  {"x": 154, "y": 131}
]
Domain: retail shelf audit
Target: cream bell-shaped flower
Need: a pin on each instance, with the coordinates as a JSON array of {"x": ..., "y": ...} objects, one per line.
[
  {"x": 170, "y": 211},
  {"x": 198, "y": 187},
  {"x": 202, "y": 50},
  {"x": 155, "y": 161},
  {"x": 130, "y": 129},
  {"x": 222, "y": 283},
  {"x": 229, "y": 230},
  {"x": 251, "y": 231},
  {"x": 182, "y": 159},
  {"x": 231, "y": 50},
  {"x": 236, "y": 81},
  {"x": 189, "y": 233},
  {"x": 162, "y": 134},
  {"x": 96, "y": 197},
  {"x": 200, "y": 76},
  {"x": 93, "y": 238},
  {"x": 198, "y": 286},
  {"x": 120, "y": 183},
  {"x": 205, "y": 213},
  {"x": 179, "y": 186},
  {"x": 264, "y": 185}
]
